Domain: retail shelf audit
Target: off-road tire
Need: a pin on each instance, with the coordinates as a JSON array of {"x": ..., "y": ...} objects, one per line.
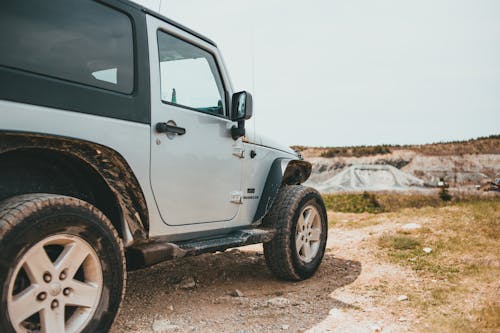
[
  {"x": 280, "y": 253},
  {"x": 27, "y": 220}
]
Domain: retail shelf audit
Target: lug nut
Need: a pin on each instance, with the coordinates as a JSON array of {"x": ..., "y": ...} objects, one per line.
[
  {"x": 54, "y": 304},
  {"x": 47, "y": 277},
  {"x": 66, "y": 291},
  {"x": 63, "y": 275},
  {"x": 41, "y": 296}
]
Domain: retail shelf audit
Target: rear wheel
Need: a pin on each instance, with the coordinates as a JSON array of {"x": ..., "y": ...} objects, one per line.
[
  {"x": 299, "y": 216},
  {"x": 62, "y": 268}
]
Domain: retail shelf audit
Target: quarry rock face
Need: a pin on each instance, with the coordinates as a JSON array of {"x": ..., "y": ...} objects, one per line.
[
  {"x": 455, "y": 169},
  {"x": 402, "y": 169},
  {"x": 369, "y": 177}
]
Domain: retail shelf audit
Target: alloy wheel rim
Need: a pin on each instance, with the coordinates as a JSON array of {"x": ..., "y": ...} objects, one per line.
[
  {"x": 56, "y": 286},
  {"x": 308, "y": 234}
]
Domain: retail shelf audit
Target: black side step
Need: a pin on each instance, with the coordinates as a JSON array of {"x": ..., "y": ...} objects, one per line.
[
  {"x": 234, "y": 239},
  {"x": 155, "y": 251},
  {"x": 151, "y": 252}
]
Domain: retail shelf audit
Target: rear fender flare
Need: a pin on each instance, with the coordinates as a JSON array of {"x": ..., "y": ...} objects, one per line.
[{"x": 108, "y": 163}]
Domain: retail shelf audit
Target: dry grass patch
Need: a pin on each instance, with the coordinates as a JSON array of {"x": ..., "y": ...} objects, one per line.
[
  {"x": 354, "y": 221},
  {"x": 398, "y": 242},
  {"x": 385, "y": 202},
  {"x": 462, "y": 268}
]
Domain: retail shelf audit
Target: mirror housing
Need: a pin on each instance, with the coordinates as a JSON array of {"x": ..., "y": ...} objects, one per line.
[
  {"x": 241, "y": 106},
  {"x": 241, "y": 110}
]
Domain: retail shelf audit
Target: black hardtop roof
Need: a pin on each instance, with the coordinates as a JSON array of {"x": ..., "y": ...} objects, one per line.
[{"x": 169, "y": 21}]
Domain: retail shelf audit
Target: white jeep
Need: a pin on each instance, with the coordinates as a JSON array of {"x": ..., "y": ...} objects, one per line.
[{"x": 123, "y": 145}]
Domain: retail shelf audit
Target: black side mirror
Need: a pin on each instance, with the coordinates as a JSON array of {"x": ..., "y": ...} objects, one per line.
[
  {"x": 241, "y": 106},
  {"x": 241, "y": 110}
]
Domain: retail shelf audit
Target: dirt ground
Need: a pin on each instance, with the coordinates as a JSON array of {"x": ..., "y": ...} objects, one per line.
[{"x": 355, "y": 289}]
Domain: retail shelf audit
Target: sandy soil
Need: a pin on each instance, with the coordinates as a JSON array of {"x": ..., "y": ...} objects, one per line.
[{"x": 348, "y": 294}]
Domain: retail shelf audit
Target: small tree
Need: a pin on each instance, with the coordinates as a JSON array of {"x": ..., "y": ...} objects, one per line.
[{"x": 443, "y": 192}]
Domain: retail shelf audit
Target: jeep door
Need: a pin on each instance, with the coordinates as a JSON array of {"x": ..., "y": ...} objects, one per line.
[{"x": 193, "y": 170}]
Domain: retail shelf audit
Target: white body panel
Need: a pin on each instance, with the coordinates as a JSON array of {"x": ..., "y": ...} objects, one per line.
[
  {"x": 255, "y": 171},
  {"x": 129, "y": 139},
  {"x": 265, "y": 141},
  {"x": 192, "y": 176},
  {"x": 132, "y": 141}
]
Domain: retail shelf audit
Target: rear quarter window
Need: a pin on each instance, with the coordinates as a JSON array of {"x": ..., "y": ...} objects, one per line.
[{"x": 75, "y": 40}]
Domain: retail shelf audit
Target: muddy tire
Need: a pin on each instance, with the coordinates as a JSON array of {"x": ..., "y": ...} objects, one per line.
[
  {"x": 299, "y": 216},
  {"x": 62, "y": 266}
]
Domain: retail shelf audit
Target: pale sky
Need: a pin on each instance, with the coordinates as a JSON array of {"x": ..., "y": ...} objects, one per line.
[{"x": 356, "y": 72}]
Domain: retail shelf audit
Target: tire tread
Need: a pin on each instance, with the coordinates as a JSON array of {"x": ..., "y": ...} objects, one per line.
[{"x": 278, "y": 252}]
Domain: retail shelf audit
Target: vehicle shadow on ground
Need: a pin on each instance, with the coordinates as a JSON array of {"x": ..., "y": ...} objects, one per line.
[
  {"x": 166, "y": 290},
  {"x": 235, "y": 267}
]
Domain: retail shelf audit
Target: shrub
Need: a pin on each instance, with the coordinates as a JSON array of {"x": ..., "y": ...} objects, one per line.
[
  {"x": 398, "y": 242},
  {"x": 444, "y": 194},
  {"x": 353, "y": 202},
  {"x": 355, "y": 151}
]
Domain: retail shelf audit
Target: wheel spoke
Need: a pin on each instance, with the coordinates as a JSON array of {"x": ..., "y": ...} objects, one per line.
[
  {"x": 53, "y": 320},
  {"x": 306, "y": 248},
  {"x": 71, "y": 258},
  {"x": 54, "y": 285},
  {"x": 315, "y": 235},
  {"x": 24, "y": 305},
  {"x": 301, "y": 222},
  {"x": 298, "y": 243},
  {"x": 310, "y": 217},
  {"x": 36, "y": 264},
  {"x": 82, "y": 294}
]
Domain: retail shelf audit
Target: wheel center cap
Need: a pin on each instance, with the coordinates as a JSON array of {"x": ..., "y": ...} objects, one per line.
[{"x": 55, "y": 289}]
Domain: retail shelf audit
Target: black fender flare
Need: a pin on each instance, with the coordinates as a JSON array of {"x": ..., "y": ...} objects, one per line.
[
  {"x": 105, "y": 161},
  {"x": 283, "y": 171}
]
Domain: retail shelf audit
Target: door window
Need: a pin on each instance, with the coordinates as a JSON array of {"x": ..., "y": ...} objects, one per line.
[
  {"x": 189, "y": 76},
  {"x": 80, "y": 41}
]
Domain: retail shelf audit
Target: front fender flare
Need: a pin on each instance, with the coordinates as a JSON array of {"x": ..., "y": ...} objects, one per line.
[{"x": 283, "y": 171}]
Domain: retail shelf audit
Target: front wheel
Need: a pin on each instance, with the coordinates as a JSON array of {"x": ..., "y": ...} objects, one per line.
[
  {"x": 299, "y": 216},
  {"x": 62, "y": 266}
]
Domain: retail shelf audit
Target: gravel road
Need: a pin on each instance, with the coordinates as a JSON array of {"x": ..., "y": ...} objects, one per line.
[
  {"x": 165, "y": 298},
  {"x": 235, "y": 292}
]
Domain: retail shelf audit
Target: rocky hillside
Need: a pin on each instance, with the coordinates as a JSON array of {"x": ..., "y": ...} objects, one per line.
[{"x": 462, "y": 164}]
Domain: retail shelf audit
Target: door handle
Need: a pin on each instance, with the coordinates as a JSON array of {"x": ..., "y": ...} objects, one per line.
[{"x": 170, "y": 127}]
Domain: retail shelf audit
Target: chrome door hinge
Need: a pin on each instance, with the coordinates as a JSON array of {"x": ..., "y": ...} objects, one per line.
[
  {"x": 237, "y": 197},
  {"x": 238, "y": 149}
]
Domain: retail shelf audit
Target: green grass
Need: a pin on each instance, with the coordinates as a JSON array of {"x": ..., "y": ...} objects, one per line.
[
  {"x": 466, "y": 228},
  {"x": 408, "y": 251},
  {"x": 464, "y": 238},
  {"x": 457, "y": 289},
  {"x": 383, "y": 202},
  {"x": 398, "y": 242},
  {"x": 353, "y": 203}
]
